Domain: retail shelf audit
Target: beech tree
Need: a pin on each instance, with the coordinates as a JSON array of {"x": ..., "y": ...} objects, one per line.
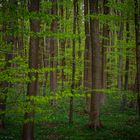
[
  {"x": 32, "y": 90},
  {"x": 96, "y": 59}
]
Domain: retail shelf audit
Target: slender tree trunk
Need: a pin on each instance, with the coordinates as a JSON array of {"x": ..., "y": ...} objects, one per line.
[
  {"x": 3, "y": 85},
  {"x": 127, "y": 59},
  {"x": 53, "y": 51},
  {"x": 120, "y": 64},
  {"x": 73, "y": 64},
  {"x": 137, "y": 32},
  {"x": 87, "y": 56},
  {"x": 79, "y": 43},
  {"x": 62, "y": 45},
  {"x": 120, "y": 60},
  {"x": 21, "y": 39},
  {"x": 96, "y": 59},
  {"x": 28, "y": 127},
  {"x": 21, "y": 34},
  {"x": 105, "y": 43},
  {"x": 46, "y": 62},
  {"x": 124, "y": 97},
  {"x": 46, "y": 56}
]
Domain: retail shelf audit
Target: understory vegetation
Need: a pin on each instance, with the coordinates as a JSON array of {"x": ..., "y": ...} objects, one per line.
[{"x": 54, "y": 125}]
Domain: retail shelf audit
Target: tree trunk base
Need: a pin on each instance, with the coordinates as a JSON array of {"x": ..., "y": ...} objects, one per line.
[{"x": 95, "y": 126}]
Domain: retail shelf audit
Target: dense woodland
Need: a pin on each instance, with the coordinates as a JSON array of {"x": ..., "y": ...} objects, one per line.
[{"x": 70, "y": 69}]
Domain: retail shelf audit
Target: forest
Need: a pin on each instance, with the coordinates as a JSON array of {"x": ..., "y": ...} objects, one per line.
[{"x": 69, "y": 70}]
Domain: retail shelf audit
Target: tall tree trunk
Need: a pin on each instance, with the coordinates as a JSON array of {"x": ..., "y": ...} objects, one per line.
[
  {"x": 105, "y": 43},
  {"x": 96, "y": 59},
  {"x": 28, "y": 127},
  {"x": 73, "y": 63},
  {"x": 120, "y": 60},
  {"x": 120, "y": 63},
  {"x": 46, "y": 62},
  {"x": 87, "y": 56},
  {"x": 53, "y": 50},
  {"x": 79, "y": 43},
  {"x": 46, "y": 56},
  {"x": 137, "y": 32},
  {"x": 62, "y": 45},
  {"x": 126, "y": 70},
  {"x": 127, "y": 59}
]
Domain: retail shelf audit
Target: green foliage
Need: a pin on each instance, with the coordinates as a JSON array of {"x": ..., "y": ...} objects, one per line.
[
  {"x": 117, "y": 125},
  {"x": 14, "y": 72}
]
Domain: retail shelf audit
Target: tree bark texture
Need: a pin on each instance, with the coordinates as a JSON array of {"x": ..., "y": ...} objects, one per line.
[
  {"x": 32, "y": 89},
  {"x": 96, "y": 59}
]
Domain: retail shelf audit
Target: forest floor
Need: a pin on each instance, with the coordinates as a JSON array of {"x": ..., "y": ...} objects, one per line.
[{"x": 117, "y": 125}]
